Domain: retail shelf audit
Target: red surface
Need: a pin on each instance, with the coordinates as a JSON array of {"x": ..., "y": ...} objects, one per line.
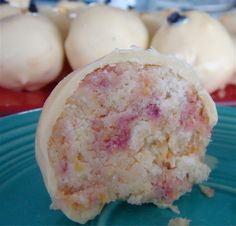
[
  {"x": 226, "y": 96},
  {"x": 13, "y": 101},
  {"x": 17, "y": 101}
]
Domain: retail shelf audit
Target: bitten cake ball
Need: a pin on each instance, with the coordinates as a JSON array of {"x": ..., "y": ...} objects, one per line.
[
  {"x": 203, "y": 42},
  {"x": 98, "y": 30},
  {"x": 31, "y": 53},
  {"x": 132, "y": 126}
]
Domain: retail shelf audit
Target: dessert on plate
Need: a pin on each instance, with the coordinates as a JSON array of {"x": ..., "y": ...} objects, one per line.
[{"x": 133, "y": 125}]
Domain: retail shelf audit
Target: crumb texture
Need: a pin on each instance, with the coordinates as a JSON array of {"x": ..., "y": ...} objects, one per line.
[
  {"x": 207, "y": 191},
  {"x": 131, "y": 132},
  {"x": 179, "y": 222}
]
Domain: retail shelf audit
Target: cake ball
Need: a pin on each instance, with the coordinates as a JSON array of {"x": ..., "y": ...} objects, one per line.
[
  {"x": 203, "y": 42},
  {"x": 7, "y": 10},
  {"x": 98, "y": 30},
  {"x": 132, "y": 126},
  {"x": 31, "y": 53}
]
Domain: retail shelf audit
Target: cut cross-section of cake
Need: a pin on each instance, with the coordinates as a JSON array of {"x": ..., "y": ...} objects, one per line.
[{"x": 132, "y": 126}]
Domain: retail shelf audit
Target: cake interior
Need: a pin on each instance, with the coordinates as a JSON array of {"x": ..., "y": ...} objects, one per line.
[{"x": 130, "y": 132}]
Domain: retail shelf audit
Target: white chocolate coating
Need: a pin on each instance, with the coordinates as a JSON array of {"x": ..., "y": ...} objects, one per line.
[
  {"x": 31, "y": 53},
  {"x": 98, "y": 30},
  {"x": 7, "y": 10},
  {"x": 57, "y": 100},
  {"x": 204, "y": 43}
]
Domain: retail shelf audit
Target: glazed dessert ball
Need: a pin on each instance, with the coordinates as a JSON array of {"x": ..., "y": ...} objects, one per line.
[
  {"x": 7, "y": 10},
  {"x": 98, "y": 30},
  {"x": 31, "y": 53},
  {"x": 203, "y": 42},
  {"x": 153, "y": 21},
  {"x": 131, "y": 126}
]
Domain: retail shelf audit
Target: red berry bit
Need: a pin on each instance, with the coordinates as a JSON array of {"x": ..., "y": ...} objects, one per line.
[{"x": 153, "y": 111}]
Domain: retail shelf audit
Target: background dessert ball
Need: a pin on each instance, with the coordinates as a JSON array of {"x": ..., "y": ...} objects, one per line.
[
  {"x": 98, "y": 30},
  {"x": 31, "y": 52},
  {"x": 131, "y": 126},
  {"x": 203, "y": 42},
  {"x": 7, "y": 10}
]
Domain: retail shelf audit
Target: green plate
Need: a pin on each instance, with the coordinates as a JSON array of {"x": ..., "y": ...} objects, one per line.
[{"x": 25, "y": 201}]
